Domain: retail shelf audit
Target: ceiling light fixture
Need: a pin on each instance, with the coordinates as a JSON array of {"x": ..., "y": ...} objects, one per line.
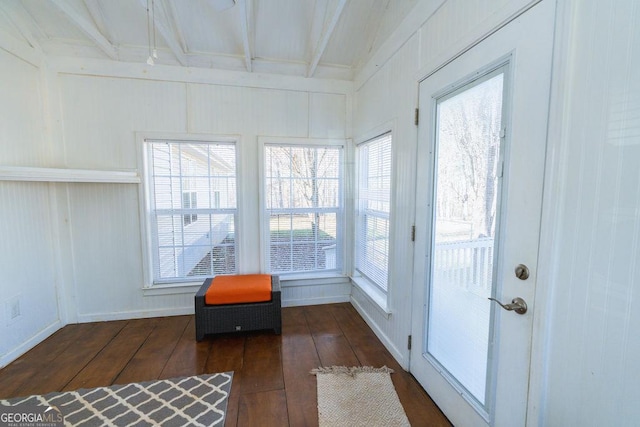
[{"x": 151, "y": 31}]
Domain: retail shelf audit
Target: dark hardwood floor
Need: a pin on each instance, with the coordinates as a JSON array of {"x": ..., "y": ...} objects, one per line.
[{"x": 272, "y": 385}]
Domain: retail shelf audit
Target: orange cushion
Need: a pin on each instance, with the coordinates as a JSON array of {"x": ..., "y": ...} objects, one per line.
[{"x": 239, "y": 289}]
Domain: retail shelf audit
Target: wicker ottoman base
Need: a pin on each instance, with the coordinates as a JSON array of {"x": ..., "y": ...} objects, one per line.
[{"x": 216, "y": 319}]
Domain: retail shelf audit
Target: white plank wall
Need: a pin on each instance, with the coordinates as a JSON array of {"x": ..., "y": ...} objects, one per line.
[
  {"x": 385, "y": 100},
  {"x": 27, "y": 263},
  {"x": 460, "y": 22},
  {"x": 101, "y": 117},
  {"x": 22, "y": 140},
  {"x": 594, "y": 239},
  {"x": 78, "y": 246},
  {"x": 27, "y": 252},
  {"x": 585, "y": 369}
]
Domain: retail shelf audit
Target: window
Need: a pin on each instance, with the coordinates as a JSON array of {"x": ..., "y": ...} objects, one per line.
[
  {"x": 374, "y": 193},
  {"x": 190, "y": 201},
  {"x": 193, "y": 210},
  {"x": 189, "y": 198},
  {"x": 303, "y": 194}
]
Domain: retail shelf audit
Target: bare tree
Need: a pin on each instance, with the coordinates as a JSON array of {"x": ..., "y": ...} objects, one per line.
[
  {"x": 308, "y": 167},
  {"x": 469, "y": 150}
]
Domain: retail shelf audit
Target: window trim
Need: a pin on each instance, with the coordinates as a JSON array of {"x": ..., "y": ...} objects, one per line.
[
  {"x": 145, "y": 198},
  {"x": 372, "y": 290},
  {"x": 264, "y": 141}
]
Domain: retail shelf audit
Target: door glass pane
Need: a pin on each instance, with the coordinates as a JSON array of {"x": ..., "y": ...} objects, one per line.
[{"x": 466, "y": 199}]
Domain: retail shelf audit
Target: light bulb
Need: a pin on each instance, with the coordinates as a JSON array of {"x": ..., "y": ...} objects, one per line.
[
  {"x": 150, "y": 60},
  {"x": 155, "y": 53}
]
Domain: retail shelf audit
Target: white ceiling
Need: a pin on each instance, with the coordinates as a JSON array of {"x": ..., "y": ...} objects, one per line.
[{"x": 311, "y": 38}]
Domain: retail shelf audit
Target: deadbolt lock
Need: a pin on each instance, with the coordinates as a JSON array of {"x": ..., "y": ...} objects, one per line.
[{"x": 522, "y": 272}]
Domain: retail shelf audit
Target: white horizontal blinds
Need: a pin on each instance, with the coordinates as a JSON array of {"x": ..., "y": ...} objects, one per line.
[
  {"x": 374, "y": 193},
  {"x": 303, "y": 205},
  {"x": 193, "y": 209}
]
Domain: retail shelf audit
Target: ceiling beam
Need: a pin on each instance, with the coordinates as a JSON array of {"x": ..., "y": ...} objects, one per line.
[
  {"x": 317, "y": 25},
  {"x": 326, "y": 36},
  {"x": 377, "y": 10},
  {"x": 23, "y": 21},
  {"x": 167, "y": 34},
  {"x": 247, "y": 25},
  {"x": 95, "y": 10},
  {"x": 87, "y": 28},
  {"x": 20, "y": 48},
  {"x": 170, "y": 9}
]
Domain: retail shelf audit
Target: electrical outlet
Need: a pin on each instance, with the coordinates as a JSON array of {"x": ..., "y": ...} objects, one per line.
[{"x": 15, "y": 308}]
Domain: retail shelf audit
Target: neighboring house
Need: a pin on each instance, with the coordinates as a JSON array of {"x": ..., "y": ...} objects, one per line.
[{"x": 192, "y": 186}]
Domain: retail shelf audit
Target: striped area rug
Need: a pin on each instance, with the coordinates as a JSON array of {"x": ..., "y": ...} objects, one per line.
[{"x": 190, "y": 401}]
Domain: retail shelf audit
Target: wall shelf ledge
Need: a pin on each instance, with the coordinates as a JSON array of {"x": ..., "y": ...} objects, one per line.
[{"x": 21, "y": 173}]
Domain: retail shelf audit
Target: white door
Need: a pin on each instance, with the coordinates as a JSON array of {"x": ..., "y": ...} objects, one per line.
[{"x": 481, "y": 155}]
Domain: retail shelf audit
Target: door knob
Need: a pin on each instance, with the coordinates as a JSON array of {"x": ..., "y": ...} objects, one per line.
[{"x": 517, "y": 304}]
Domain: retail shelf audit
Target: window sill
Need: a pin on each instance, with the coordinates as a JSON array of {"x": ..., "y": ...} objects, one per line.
[
  {"x": 304, "y": 279},
  {"x": 373, "y": 294},
  {"x": 172, "y": 288},
  {"x": 315, "y": 275}
]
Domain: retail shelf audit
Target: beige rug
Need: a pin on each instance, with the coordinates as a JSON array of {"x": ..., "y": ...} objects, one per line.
[{"x": 358, "y": 396}]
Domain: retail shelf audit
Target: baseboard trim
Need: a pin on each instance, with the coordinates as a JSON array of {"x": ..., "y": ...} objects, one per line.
[
  {"x": 30, "y": 343},
  {"x": 181, "y": 311},
  {"x": 127, "y": 315},
  {"x": 397, "y": 354},
  {"x": 316, "y": 301}
]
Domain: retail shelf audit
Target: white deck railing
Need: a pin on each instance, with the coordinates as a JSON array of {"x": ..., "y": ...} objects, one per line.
[{"x": 467, "y": 264}]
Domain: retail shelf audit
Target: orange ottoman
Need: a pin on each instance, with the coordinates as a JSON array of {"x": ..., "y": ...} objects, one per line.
[{"x": 238, "y": 303}]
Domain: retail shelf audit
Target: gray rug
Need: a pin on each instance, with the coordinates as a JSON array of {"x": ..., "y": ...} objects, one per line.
[{"x": 190, "y": 401}]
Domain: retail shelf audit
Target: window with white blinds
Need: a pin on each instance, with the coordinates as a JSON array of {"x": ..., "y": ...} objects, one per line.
[
  {"x": 303, "y": 198},
  {"x": 193, "y": 209},
  {"x": 374, "y": 194}
]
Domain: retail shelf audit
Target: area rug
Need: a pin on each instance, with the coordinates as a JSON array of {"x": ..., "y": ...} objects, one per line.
[
  {"x": 358, "y": 396},
  {"x": 189, "y": 401}
]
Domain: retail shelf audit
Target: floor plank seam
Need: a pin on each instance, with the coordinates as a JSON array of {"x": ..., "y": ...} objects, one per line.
[{"x": 94, "y": 356}]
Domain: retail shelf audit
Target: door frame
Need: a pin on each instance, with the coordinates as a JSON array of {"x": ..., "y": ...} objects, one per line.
[
  {"x": 482, "y": 74},
  {"x": 547, "y": 11}
]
